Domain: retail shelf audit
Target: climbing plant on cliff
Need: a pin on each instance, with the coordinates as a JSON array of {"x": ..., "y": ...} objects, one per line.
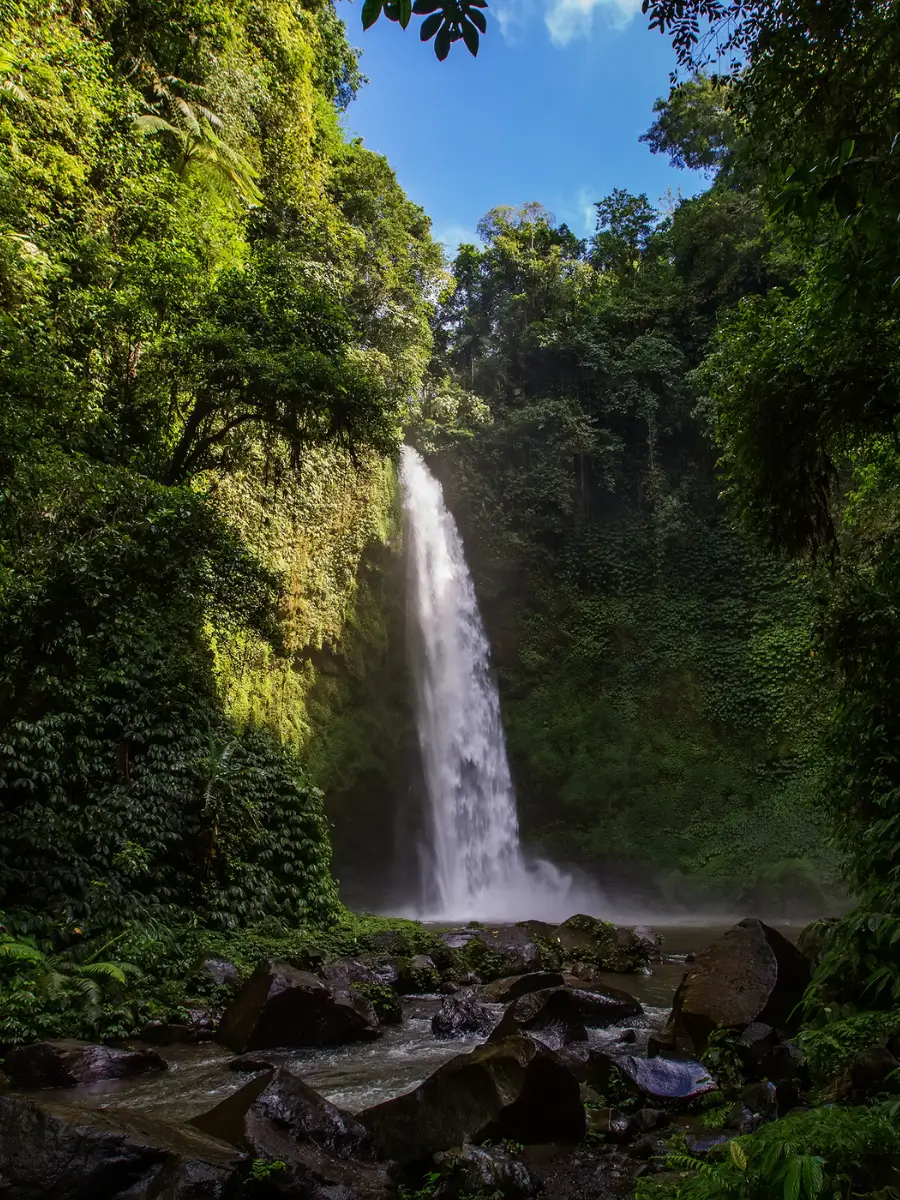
[{"x": 203, "y": 290}]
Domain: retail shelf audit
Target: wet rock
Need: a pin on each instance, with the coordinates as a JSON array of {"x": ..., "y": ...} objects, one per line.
[
  {"x": 598, "y": 1009},
  {"x": 326, "y": 1152},
  {"x": 609, "y": 1123},
  {"x": 203, "y": 1023},
  {"x": 551, "y": 1016},
  {"x": 281, "y": 1006},
  {"x": 500, "y": 951},
  {"x": 220, "y": 971},
  {"x": 576, "y": 1056},
  {"x": 461, "y": 1015},
  {"x": 665, "y": 1080},
  {"x": 449, "y": 987},
  {"x": 279, "y": 1107},
  {"x": 70, "y": 1063},
  {"x": 652, "y": 941},
  {"x": 254, "y": 1062},
  {"x": 479, "y": 1171},
  {"x": 589, "y": 940},
  {"x": 558, "y": 1016},
  {"x": 700, "y": 1144},
  {"x": 751, "y": 974},
  {"x": 513, "y": 1089},
  {"x": 47, "y": 1150},
  {"x": 870, "y": 1069},
  {"x": 504, "y": 991}
]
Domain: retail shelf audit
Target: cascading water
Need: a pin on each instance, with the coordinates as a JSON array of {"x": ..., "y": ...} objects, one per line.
[{"x": 474, "y": 864}]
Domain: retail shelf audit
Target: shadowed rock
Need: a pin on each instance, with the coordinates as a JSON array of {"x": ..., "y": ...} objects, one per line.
[
  {"x": 750, "y": 974},
  {"x": 479, "y": 1171},
  {"x": 325, "y": 1151},
  {"x": 559, "y": 1016},
  {"x": 69, "y": 1063},
  {"x": 504, "y": 991},
  {"x": 281, "y": 1006},
  {"x": 461, "y": 1015},
  {"x": 514, "y": 1089},
  {"x": 47, "y": 1151}
]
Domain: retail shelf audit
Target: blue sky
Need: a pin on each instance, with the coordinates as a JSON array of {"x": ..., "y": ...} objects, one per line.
[{"x": 551, "y": 110}]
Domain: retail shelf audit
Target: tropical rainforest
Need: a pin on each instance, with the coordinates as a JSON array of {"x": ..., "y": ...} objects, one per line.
[{"x": 672, "y": 449}]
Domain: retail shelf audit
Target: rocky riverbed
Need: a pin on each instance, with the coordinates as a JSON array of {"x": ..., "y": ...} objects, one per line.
[{"x": 532, "y": 1059}]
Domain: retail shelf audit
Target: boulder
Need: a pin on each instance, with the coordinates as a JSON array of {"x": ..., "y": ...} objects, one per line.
[
  {"x": 282, "y": 1006},
  {"x": 870, "y": 1069},
  {"x": 588, "y": 939},
  {"x": 504, "y": 991},
  {"x": 664, "y": 1080},
  {"x": 462, "y": 1015},
  {"x": 551, "y": 1016},
  {"x": 222, "y": 972},
  {"x": 278, "y": 1109},
  {"x": 598, "y": 1009},
  {"x": 418, "y": 975},
  {"x": 48, "y": 1150},
  {"x": 751, "y": 974},
  {"x": 341, "y": 973},
  {"x": 652, "y": 941},
  {"x": 813, "y": 939},
  {"x": 513, "y": 1089},
  {"x": 70, "y": 1063},
  {"x": 501, "y": 950},
  {"x": 558, "y": 1016},
  {"x": 326, "y": 1152},
  {"x": 482, "y": 1171}
]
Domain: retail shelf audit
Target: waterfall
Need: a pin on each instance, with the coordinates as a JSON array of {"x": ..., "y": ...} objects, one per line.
[{"x": 473, "y": 863}]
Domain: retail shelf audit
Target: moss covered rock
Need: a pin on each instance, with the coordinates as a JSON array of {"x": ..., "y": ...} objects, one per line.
[{"x": 590, "y": 940}]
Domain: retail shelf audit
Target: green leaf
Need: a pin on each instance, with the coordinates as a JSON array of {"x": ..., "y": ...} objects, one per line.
[
  {"x": 478, "y": 19},
  {"x": 431, "y": 26},
  {"x": 371, "y": 12},
  {"x": 404, "y": 12},
  {"x": 442, "y": 42},
  {"x": 470, "y": 36},
  {"x": 423, "y": 7}
]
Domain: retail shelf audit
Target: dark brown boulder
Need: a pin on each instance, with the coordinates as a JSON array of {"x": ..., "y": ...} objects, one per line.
[
  {"x": 281, "y": 1006},
  {"x": 504, "y": 991},
  {"x": 551, "y": 1016},
  {"x": 325, "y": 1151},
  {"x": 513, "y": 1089},
  {"x": 460, "y": 1016},
  {"x": 558, "y": 1016},
  {"x": 69, "y": 1063},
  {"x": 278, "y": 1107},
  {"x": 482, "y": 1171},
  {"x": 48, "y": 1150},
  {"x": 750, "y": 974}
]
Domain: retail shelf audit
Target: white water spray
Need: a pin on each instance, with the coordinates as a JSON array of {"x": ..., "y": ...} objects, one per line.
[{"x": 473, "y": 856}]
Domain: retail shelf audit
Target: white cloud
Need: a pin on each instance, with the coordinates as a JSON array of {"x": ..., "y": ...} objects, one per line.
[{"x": 565, "y": 20}]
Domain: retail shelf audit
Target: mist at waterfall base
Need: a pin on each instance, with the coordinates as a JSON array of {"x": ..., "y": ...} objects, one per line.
[{"x": 473, "y": 865}]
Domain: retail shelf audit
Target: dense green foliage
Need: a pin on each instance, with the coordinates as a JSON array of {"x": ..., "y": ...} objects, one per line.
[
  {"x": 213, "y": 312},
  {"x": 659, "y": 681}
]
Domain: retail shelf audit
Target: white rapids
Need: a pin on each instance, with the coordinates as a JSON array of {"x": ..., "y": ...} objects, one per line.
[{"x": 473, "y": 863}]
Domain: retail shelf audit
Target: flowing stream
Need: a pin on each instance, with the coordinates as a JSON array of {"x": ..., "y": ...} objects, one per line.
[{"x": 473, "y": 864}]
